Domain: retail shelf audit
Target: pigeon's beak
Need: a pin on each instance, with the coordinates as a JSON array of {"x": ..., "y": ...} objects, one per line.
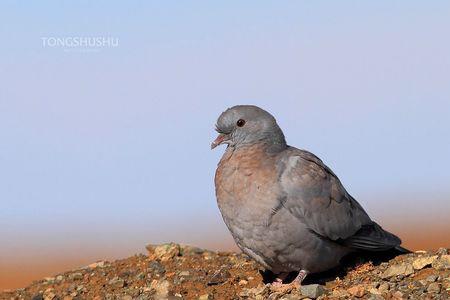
[{"x": 221, "y": 138}]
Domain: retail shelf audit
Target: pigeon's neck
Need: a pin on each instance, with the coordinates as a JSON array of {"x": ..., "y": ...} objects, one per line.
[
  {"x": 265, "y": 146},
  {"x": 272, "y": 141}
]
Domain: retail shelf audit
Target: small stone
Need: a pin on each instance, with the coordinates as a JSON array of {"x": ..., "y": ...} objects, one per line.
[
  {"x": 205, "y": 297},
  {"x": 340, "y": 293},
  {"x": 80, "y": 288},
  {"x": 375, "y": 297},
  {"x": 59, "y": 278},
  {"x": 127, "y": 297},
  {"x": 157, "y": 267},
  {"x": 423, "y": 282},
  {"x": 442, "y": 251},
  {"x": 184, "y": 274},
  {"x": 384, "y": 287},
  {"x": 164, "y": 252},
  {"x": 396, "y": 270},
  {"x": 374, "y": 291},
  {"x": 190, "y": 250},
  {"x": 442, "y": 262},
  {"x": 242, "y": 282},
  {"x": 432, "y": 278},
  {"x": 117, "y": 282},
  {"x": 357, "y": 290},
  {"x": 99, "y": 264},
  {"x": 260, "y": 290},
  {"x": 312, "y": 290},
  {"x": 76, "y": 276},
  {"x": 161, "y": 288},
  {"x": 49, "y": 279},
  {"x": 422, "y": 262},
  {"x": 275, "y": 296},
  {"x": 49, "y": 296},
  {"x": 398, "y": 295},
  {"x": 434, "y": 287},
  {"x": 37, "y": 297},
  {"x": 220, "y": 276},
  {"x": 293, "y": 297}
]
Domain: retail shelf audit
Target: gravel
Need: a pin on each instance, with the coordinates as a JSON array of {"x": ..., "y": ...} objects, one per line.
[{"x": 173, "y": 271}]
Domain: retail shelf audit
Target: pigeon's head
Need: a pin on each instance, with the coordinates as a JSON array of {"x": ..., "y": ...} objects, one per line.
[{"x": 248, "y": 124}]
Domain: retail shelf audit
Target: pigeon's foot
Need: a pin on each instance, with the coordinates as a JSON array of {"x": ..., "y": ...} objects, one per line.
[{"x": 279, "y": 286}]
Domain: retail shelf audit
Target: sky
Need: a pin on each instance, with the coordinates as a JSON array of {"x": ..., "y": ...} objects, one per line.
[{"x": 105, "y": 149}]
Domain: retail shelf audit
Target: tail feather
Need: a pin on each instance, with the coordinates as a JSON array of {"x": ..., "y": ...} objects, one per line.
[
  {"x": 402, "y": 250},
  {"x": 372, "y": 237}
]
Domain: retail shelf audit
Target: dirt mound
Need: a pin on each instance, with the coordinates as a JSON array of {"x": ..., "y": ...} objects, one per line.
[{"x": 173, "y": 271}]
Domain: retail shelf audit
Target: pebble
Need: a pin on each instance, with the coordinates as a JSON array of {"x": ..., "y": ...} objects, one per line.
[
  {"x": 398, "y": 295},
  {"x": 99, "y": 264},
  {"x": 293, "y": 297},
  {"x": 220, "y": 276},
  {"x": 442, "y": 251},
  {"x": 184, "y": 274},
  {"x": 398, "y": 270},
  {"x": 434, "y": 287},
  {"x": 164, "y": 252},
  {"x": 357, "y": 290},
  {"x": 161, "y": 287},
  {"x": 190, "y": 250},
  {"x": 422, "y": 262},
  {"x": 117, "y": 282},
  {"x": 312, "y": 290},
  {"x": 76, "y": 276},
  {"x": 157, "y": 267},
  {"x": 340, "y": 293},
  {"x": 243, "y": 282},
  {"x": 384, "y": 287},
  {"x": 442, "y": 262}
]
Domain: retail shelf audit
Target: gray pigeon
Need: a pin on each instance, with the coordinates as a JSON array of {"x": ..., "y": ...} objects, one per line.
[{"x": 284, "y": 207}]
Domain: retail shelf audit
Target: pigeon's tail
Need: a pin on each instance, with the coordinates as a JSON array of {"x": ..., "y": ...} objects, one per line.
[
  {"x": 373, "y": 238},
  {"x": 402, "y": 250}
]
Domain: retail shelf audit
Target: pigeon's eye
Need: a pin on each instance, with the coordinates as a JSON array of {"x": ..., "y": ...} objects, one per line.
[{"x": 240, "y": 123}]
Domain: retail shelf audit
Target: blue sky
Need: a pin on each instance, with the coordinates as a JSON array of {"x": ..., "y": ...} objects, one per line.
[{"x": 112, "y": 147}]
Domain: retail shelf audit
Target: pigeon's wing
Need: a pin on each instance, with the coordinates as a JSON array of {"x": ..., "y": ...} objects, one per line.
[{"x": 314, "y": 194}]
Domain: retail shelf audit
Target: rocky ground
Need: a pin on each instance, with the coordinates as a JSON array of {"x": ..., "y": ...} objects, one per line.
[{"x": 173, "y": 271}]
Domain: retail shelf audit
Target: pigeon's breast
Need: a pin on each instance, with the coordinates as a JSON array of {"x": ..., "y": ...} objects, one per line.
[
  {"x": 248, "y": 199},
  {"x": 244, "y": 183}
]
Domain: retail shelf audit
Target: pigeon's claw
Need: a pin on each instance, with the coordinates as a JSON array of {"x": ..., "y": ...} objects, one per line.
[{"x": 279, "y": 286}]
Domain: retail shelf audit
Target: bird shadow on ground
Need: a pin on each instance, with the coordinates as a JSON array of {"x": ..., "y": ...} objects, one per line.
[{"x": 347, "y": 264}]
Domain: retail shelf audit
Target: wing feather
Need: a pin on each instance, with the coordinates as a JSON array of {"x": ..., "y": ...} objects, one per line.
[{"x": 315, "y": 195}]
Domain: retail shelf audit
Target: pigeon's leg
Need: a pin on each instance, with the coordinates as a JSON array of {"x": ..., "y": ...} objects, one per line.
[
  {"x": 278, "y": 284},
  {"x": 300, "y": 277},
  {"x": 280, "y": 278}
]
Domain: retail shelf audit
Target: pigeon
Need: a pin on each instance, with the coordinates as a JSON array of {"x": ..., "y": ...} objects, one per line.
[{"x": 283, "y": 206}]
